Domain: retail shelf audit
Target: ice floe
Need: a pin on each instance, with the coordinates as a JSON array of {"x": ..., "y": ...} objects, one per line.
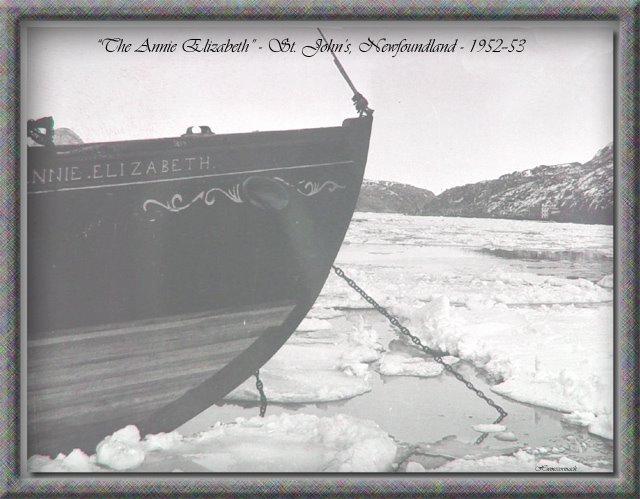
[
  {"x": 283, "y": 443},
  {"x": 451, "y": 455},
  {"x": 75, "y": 462},
  {"x": 560, "y": 358},
  {"x": 606, "y": 281},
  {"x": 121, "y": 450},
  {"x": 314, "y": 324},
  {"x": 323, "y": 313},
  {"x": 394, "y": 364},
  {"x": 520, "y": 461},
  {"x": 413, "y": 467},
  {"x": 299, "y": 386},
  {"x": 489, "y": 428},
  {"x": 451, "y": 448},
  {"x": 317, "y": 372},
  {"x": 600, "y": 425},
  {"x": 506, "y": 436}
]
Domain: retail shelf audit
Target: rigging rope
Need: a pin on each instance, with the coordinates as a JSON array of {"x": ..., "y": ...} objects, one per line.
[
  {"x": 418, "y": 344},
  {"x": 362, "y": 105}
]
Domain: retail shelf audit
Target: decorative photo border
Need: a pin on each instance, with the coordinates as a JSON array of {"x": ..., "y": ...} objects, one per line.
[{"x": 623, "y": 482}]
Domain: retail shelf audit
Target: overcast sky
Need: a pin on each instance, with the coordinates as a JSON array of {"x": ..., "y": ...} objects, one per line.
[{"x": 441, "y": 120}]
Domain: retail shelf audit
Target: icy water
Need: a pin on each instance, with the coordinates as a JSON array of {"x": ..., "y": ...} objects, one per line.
[
  {"x": 524, "y": 310},
  {"x": 545, "y": 282}
]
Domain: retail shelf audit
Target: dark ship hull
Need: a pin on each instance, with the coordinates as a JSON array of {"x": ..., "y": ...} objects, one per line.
[{"x": 163, "y": 273}]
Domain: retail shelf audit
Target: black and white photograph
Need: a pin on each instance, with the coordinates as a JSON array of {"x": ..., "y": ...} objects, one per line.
[{"x": 318, "y": 247}]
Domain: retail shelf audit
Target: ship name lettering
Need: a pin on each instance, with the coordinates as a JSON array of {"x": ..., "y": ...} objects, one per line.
[
  {"x": 59, "y": 174},
  {"x": 110, "y": 174},
  {"x": 157, "y": 167}
]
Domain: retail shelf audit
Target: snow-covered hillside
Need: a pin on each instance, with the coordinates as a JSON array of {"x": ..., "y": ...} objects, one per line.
[
  {"x": 571, "y": 192},
  {"x": 383, "y": 196}
]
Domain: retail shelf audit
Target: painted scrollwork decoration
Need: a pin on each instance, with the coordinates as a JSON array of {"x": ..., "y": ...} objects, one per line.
[
  {"x": 310, "y": 188},
  {"x": 177, "y": 204}
]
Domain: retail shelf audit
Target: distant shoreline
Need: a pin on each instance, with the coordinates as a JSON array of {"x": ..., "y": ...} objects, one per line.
[{"x": 487, "y": 217}]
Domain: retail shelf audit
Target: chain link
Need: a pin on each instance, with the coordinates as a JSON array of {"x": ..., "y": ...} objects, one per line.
[
  {"x": 418, "y": 344},
  {"x": 263, "y": 397}
]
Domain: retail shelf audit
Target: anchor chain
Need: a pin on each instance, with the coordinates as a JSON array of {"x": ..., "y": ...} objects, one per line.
[
  {"x": 263, "y": 397},
  {"x": 418, "y": 344}
]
